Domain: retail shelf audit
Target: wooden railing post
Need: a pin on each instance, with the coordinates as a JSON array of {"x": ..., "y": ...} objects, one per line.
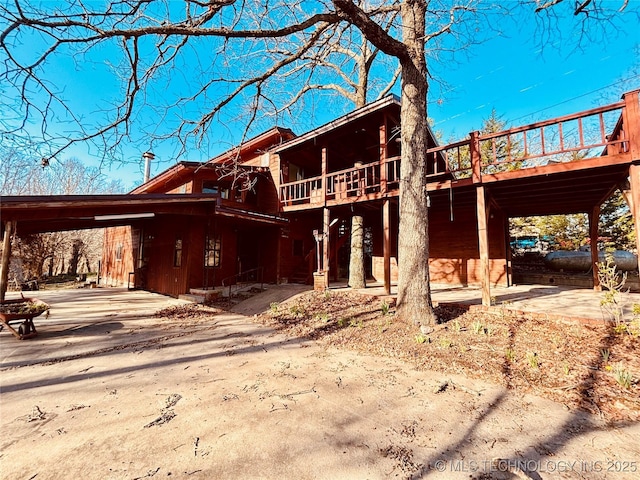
[
  {"x": 476, "y": 158},
  {"x": 632, "y": 122}
]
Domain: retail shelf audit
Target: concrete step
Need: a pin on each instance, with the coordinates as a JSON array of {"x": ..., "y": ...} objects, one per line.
[
  {"x": 207, "y": 293},
  {"x": 192, "y": 298}
]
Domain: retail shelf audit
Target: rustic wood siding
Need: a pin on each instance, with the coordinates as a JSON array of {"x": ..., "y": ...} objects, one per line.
[
  {"x": 161, "y": 274},
  {"x": 454, "y": 253}
]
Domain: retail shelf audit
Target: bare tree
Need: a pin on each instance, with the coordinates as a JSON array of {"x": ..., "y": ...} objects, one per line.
[
  {"x": 57, "y": 252},
  {"x": 213, "y": 54}
]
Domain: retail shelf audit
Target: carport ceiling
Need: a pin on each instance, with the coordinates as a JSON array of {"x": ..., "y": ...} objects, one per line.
[
  {"x": 38, "y": 214},
  {"x": 576, "y": 191},
  {"x": 557, "y": 193}
]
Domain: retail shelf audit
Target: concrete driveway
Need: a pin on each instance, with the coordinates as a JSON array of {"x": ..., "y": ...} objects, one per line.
[{"x": 108, "y": 391}]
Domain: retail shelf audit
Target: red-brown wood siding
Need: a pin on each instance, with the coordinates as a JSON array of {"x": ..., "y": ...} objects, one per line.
[{"x": 115, "y": 271}]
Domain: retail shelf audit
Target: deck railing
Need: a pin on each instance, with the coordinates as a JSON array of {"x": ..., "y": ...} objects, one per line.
[
  {"x": 350, "y": 182},
  {"x": 587, "y": 134}
]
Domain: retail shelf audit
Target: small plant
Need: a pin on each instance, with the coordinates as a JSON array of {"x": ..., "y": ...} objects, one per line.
[
  {"x": 356, "y": 323},
  {"x": 480, "y": 329},
  {"x": 445, "y": 343},
  {"x": 324, "y": 317},
  {"x": 456, "y": 326},
  {"x": 613, "y": 291},
  {"x": 622, "y": 376},
  {"x": 420, "y": 338},
  {"x": 297, "y": 310},
  {"x": 534, "y": 361},
  {"x": 605, "y": 355},
  {"x": 274, "y": 307},
  {"x": 327, "y": 294},
  {"x": 343, "y": 321},
  {"x": 565, "y": 368},
  {"x": 510, "y": 355},
  {"x": 477, "y": 327},
  {"x": 384, "y": 308}
]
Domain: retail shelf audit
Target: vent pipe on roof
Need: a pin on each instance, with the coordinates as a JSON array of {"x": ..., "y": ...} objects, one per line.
[{"x": 148, "y": 156}]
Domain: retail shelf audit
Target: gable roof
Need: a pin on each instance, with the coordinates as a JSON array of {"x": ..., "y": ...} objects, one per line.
[
  {"x": 390, "y": 101},
  {"x": 251, "y": 149}
]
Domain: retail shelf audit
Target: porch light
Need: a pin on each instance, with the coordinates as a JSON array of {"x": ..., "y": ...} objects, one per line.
[{"x": 319, "y": 236}]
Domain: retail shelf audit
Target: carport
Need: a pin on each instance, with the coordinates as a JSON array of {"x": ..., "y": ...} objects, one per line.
[{"x": 24, "y": 215}]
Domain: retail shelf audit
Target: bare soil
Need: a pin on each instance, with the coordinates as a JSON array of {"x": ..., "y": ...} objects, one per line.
[
  {"x": 580, "y": 365},
  {"x": 131, "y": 385}
]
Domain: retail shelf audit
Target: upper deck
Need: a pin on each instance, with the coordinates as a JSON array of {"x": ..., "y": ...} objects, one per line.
[{"x": 562, "y": 165}]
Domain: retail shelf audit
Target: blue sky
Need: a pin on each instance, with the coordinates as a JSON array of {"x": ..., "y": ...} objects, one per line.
[{"x": 520, "y": 73}]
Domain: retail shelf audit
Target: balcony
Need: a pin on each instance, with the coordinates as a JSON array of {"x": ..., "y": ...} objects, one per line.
[{"x": 558, "y": 144}]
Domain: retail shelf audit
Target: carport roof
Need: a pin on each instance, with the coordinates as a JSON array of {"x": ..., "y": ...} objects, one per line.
[{"x": 38, "y": 214}]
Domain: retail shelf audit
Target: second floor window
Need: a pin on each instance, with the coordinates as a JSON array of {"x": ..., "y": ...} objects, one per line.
[{"x": 215, "y": 189}]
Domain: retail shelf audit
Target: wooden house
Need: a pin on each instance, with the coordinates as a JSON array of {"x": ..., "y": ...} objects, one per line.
[
  {"x": 317, "y": 181},
  {"x": 278, "y": 208}
]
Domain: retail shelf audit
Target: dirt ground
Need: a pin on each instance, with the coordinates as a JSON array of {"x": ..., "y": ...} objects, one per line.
[{"x": 112, "y": 389}]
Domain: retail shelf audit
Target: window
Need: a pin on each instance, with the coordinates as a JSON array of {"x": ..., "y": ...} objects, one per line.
[
  {"x": 215, "y": 189},
  {"x": 119, "y": 252},
  {"x": 212, "y": 250},
  {"x": 177, "y": 253},
  {"x": 209, "y": 187}
]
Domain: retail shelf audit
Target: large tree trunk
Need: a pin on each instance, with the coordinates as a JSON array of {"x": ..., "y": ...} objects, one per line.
[
  {"x": 414, "y": 295},
  {"x": 356, "y": 261}
]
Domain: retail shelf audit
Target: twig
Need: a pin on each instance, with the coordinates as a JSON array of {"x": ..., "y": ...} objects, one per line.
[
  {"x": 165, "y": 417},
  {"x": 465, "y": 389}
]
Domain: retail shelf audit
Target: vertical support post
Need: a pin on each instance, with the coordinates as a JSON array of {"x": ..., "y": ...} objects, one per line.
[
  {"x": 386, "y": 248},
  {"x": 594, "y": 220},
  {"x": 632, "y": 122},
  {"x": 325, "y": 244},
  {"x": 325, "y": 187},
  {"x": 476, "y": 157},
  {"x": 483, "y": 245},
  {"x": 383, "y": 156},
  {"x": 279, "y": 254},
  {"x": 634, "y": 177},
  {"x": 9, "y": 229}
]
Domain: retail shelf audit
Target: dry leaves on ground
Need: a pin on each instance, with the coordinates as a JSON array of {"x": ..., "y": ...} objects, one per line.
[{"x": 583, "y": 366}]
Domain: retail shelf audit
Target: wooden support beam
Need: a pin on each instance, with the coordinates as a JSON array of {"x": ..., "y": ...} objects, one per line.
[
  {"x": 483, "y": 244},
  {"x": 476, "y": 157},
  {"x": 634, "y": 196},
  {"x": 594, "y": 220},
  {"x": 325, "y": 244},
  {"x": 324, "y": 167},
  {"x": 386, "y": 246},
  {"x": 9, "y": 229}
]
